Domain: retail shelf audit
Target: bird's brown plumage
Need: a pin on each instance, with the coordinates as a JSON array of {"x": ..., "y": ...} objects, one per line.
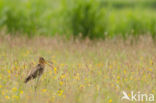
[{"x": 37, "y": 71}]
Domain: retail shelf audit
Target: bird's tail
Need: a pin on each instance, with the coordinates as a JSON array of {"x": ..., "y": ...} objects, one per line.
[{"x": 27, "y": 79}]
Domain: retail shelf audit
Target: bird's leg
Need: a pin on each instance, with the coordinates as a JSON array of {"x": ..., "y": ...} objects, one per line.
[{"x": 37, "y": 81}]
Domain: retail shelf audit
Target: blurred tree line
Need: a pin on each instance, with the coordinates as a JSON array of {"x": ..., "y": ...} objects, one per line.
[{"x": 89, "y": 18}]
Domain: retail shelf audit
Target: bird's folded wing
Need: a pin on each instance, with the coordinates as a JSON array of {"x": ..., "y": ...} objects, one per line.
[{"x": 34, "y": 70}]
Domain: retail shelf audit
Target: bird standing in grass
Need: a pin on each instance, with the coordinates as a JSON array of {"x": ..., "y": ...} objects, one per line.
[{"x": 37, "y": 71}]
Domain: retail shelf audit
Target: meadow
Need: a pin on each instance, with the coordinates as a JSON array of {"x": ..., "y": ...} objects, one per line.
[
  {"x": 99, "y": 48},
  {"x": 84, "y": 71}
]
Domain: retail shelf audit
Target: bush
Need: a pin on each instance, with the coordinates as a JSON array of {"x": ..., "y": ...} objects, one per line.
[
  {"x": 65, "y": 17},
  {"x": 19, "y": 18},
  {"x": 87, "y": 18}
]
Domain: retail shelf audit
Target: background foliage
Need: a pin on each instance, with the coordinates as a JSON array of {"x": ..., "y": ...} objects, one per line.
[{"x": 90, "y": 18}]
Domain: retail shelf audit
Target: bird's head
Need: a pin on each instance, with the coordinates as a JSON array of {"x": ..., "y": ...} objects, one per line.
[{"x": 42, "y": 60}]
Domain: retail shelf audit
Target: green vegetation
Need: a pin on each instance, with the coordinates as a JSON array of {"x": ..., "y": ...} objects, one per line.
[
  {"x": 91, "y": 18},
  {"x": 84, "y": 72}
]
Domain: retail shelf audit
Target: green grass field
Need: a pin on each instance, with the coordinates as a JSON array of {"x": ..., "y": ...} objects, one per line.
[{"x": 85, "y": 71}]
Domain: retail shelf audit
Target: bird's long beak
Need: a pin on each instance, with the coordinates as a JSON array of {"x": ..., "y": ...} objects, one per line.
[{"x": 50, "y": 64}]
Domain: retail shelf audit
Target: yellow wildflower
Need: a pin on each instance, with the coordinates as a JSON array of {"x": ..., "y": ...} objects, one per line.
[
  {"x": 62, "y": 65},
  {"x": 44, "y": 90},
  {"x": 7, "y": 97},
  {"x": 63, "y": 76},
  {"x": 61, "y": 83},
  {"x": 9, "y": 76},
  {"x": 55, "y": 70},
  {"x": 16, "y": 97},
  {"x": 110, "y": 100},
  {"x": 14, "y": 89},
  {"x": 110, "y": 67},
  {"x": 21, "y": 92},
  {"x": 60, "y": 92},
  {"x": 3, "y": 92},
  {"x": 124, "y": 71},
  {"x": 150, "y": 69},
  {"x": 77, "y": 77},
  {"x": 9, "y": 71},
  {"x": 53, "y": 98},
  {"x": 118, "y": 77}
]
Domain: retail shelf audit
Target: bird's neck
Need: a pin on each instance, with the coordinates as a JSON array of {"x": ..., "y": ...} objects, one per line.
[{"x": 42, "y": 64}]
